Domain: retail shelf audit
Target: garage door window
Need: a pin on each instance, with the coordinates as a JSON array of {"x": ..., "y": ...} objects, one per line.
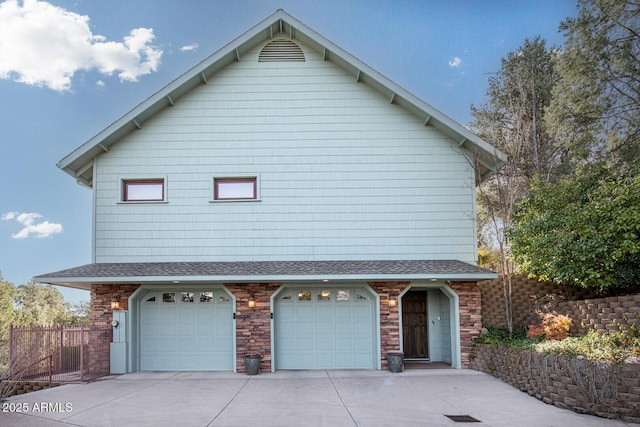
[
  {"x": 304, "y": 296},
  {"x": 187, "y": 297},
  {"x": 169, "y": 297},
  {"x": 342, "y": 295},
  {"x": 324, "y": 295}
]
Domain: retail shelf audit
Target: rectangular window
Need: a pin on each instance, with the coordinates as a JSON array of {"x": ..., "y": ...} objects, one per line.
[
  {"x": 143, "y": 190},
  {"x": 206, "y": 296},
  {"x": 324, "y": 295},
  {"x": 235, "y": 188}
]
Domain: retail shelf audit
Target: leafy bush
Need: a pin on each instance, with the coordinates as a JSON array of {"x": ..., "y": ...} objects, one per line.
[
  {"x": 502, "y": 337},
  {"x": 612, "y": 347},
  {"x": 553, "y": 326},
  {"x": 583, "y": 231}
]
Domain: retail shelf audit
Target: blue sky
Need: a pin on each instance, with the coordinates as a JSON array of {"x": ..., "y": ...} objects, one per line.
[{"x": 69, "y": 68}]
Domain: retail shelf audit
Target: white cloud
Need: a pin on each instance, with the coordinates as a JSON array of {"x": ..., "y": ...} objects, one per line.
[
  {"x": 45, "y": 45},
  {"x": 189, "y": 47},
  {"x": 30, "y": 227},
  {"x": 455, "y": 62}
]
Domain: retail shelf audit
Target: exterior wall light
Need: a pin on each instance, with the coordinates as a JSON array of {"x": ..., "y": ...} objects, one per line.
[
  {"x": 252, "y": 301},
  {"x": 115, "y": 302},
  {"x": 392, "y": 301}
]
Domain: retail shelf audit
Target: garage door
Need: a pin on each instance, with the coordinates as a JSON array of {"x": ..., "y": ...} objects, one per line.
[
  {"x": 325, "y": 328},
  {"x": 186, "y": 330}
]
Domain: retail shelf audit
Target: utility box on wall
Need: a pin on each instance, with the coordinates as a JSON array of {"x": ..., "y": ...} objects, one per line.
[{"x": 119, "y": 342}]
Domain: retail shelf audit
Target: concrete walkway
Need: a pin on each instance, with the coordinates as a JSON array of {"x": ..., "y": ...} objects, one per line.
[{"x": 290, "y": 398}]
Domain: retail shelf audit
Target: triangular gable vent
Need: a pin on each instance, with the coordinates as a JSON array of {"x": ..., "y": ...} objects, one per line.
[{"x": 281, "y": 51}]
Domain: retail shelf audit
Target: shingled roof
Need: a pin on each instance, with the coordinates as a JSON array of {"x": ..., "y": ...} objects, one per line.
[{"x": 265, "y": 271}]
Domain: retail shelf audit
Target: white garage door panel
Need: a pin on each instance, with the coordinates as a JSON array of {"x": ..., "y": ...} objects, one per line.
[
  {"x": 186, "y": 330},
  {"x": 322, "y": 328}
]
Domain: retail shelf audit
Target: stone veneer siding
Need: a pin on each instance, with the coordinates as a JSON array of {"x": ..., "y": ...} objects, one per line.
[
  {"x": 100, "y": 317},
  {"x": 389, "y": 317},
  {"x": 569, "y": 383},
  {"x": 253, "y": 325},
  {"x": 470, "y": 317}
]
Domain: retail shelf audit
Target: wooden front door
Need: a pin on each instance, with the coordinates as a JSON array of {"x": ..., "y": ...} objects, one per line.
[{"x": 414, "y": 325}]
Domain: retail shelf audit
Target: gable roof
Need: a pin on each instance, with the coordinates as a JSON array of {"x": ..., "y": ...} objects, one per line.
[{"x": 79, "y": 163}]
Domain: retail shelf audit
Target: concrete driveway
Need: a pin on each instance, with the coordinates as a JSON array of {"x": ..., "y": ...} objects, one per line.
[{"x": 290, "y": 398}]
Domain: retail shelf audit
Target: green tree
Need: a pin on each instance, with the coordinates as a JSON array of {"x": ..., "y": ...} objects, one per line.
[
  {"x": 517, "y": 99},
  {"x": 39, "y": 305},
  {"x": 582, "y": 231},
  {"x": 512, "y": 119},
  {"x": 75, "y": 314},
  {"x": 596, "y": 105},
  {"x": 7, "y": 314}
]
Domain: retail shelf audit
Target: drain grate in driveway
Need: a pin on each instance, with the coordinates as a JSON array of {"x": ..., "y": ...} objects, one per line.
[{"x": 462, "y": 418}]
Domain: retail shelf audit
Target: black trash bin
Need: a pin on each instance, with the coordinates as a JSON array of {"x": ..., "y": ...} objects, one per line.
[
  {"x": 395, "y": 361},
  {"x": 252, "y": 364}
]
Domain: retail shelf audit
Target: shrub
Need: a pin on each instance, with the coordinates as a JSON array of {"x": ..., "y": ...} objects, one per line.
[
  {"x": 503, "y": 338},
  {"x": 613, "y": 347},
  {"x": 553, "y": 326},
  {"x": 610, "y": 348}
]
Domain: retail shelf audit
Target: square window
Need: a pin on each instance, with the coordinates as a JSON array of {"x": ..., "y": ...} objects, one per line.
[
  {"x": 143, "y": 190},
  {"x": 169, "y": 297},
  {"x": 235, "y": 188}
]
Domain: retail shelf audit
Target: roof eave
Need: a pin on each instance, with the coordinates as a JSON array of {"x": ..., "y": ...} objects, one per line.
[{"x": 86, "y": 282}]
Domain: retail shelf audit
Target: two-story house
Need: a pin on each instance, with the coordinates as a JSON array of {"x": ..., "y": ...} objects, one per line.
[{"x": 281, "y": 198}]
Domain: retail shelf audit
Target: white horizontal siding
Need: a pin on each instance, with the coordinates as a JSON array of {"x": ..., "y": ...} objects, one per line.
[{"x": 343, "y": 174}]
